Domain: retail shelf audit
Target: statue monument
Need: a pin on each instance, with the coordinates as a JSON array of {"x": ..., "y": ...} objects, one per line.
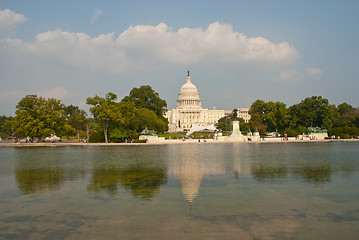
[
  {"x": 150, "y": 136},
  {"x": 317, "y": 133},
  {"x": 236, "y": 130}
]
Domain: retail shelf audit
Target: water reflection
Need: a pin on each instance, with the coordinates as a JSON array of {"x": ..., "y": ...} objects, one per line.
[
  {"x": 190, "y": 164},
  {"x": 241, "y": 163},
  {"x": 316, "y": 172},
  {"x": 247, "y": 190},
  {"x": 190, "y": 176},
  {"x": 142, "y": 170},
  {"x": 43, "y": 169},
  {"x": 34, "y": 175},
  {"x": 262, "y": 172},
  {"x": 292, "y": 162},
  {"x": 141, "y": 174}
]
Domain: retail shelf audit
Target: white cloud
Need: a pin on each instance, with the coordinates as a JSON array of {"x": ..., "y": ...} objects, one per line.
[
  {"x": 6, "y": 96},
  {"x": 289, "y": 76},
  {"x": 292, "y": 75},
  {"x": 57, "y": 92},
  {"x": 218, "y": 43},
  {"x": 96, "y": 15},
  {"x": 8, "y": 22},
  {"x": 146, "y": 46},
  {"x": 314, "y": 71}
]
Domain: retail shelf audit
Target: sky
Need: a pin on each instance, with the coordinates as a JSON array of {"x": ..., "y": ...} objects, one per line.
[{"x": 236, "y": 51}]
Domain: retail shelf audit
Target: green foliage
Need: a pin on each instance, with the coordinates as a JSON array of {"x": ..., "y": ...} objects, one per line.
[
  {"x": 344, "y": 108},
  {"x": 350, "y": 118},
  {"x": 276, "y": 116},
  {"x": 311, "y": 112},
  {"x": 146, "y": 97},
  {"x": 105, "y": 110},
  {"x": 293, "y": 132},
  {"x": 40, "y": 117},
  {"x": 127, "y": 127},
  {"x": 147, "y": 118},
  {"x": 345, "y": 132},
  {"x": 96, "y": 135},
  {"x": 135, "y": 120},
  {"x": 314, "y": 111},
  {"x": 37, "y": 116},
  {"x": 78, "y": 121},
  {"x": 144, "y": 108},
  {"x": 70, "y": 109},
  {"x": 173, "y": 135},
  {"x": 261, "y": 128},
  {"x": 271, "y": 116},
  {"x": 257, "y": 111},
  {"x": 6, "y": 124},
  {"x": 225, "y": 123},
  {"x": 126, "y": 119}
]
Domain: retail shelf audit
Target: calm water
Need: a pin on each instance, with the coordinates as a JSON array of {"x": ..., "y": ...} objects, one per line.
[{"x": 199, "y": 191}]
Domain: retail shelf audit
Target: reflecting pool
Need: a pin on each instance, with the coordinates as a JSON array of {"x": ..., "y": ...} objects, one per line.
[{"x": 184, "y": 191}]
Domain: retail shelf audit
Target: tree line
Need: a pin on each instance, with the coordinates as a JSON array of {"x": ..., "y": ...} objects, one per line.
[
  {"x": 111, "y": 120},
  {"x": 115, "y": 121},
  {"x": 315, "y": 111}
]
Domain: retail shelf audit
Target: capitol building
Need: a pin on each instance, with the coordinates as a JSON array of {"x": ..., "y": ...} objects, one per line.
[{"x": 189, "y": 110}]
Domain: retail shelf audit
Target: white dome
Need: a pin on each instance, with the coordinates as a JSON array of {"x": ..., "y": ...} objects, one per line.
[
  {"x": 188, "y": 96},
  {"x": 189, "y": 89}
]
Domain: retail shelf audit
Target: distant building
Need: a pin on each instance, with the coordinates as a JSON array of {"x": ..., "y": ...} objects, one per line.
[
  {"x": 243, "y": 113},
  {"x": 190, "y": 112}
]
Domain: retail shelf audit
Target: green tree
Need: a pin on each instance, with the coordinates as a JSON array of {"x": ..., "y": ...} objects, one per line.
[
  {"x": 353, "y": 117},
  {"x": 257, "y": 111},
  {"x": 347, "y": 115},
  {"x": 78, "y": 120},
  {"x": 70, "y": 109},
  {"x": 6, "y": 124},
  {"x": 127, "y": 128},
  {"x": 135, "y": 120},
  {"x": 147, "y": 118},
  {"x": 344, "y": 108},
  {"x": 271, "y": 116},
  {"x": 146, "y": 97},
  {"x": 105, "y": 110},
  {"x": 313, "y": 111},
  {"x": 276, "y": 116},
  {"x": 346, "y": 123},
  {"x": 225, "y": 123},
  {"x": 37, "y": 116},
  {"x": 244, "y": 127},
  {"x": 261, "y": 128}
]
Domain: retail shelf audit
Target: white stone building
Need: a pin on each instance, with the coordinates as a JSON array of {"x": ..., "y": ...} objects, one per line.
[
  {"x": 243, "y": 113},
  {"x": 190, "y": 112}
]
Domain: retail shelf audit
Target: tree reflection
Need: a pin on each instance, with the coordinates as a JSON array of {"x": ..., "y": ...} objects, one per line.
[
  {"x": 314, "y": 172},
  {"x": 142, "y": 178},
  {"x": 143, "y": 182},
  {"x": 262, "y": 172},
  {"x": 34, "y": 175}
]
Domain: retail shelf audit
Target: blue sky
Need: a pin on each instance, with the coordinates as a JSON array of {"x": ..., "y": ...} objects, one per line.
[{"x": 236, "y": 51}]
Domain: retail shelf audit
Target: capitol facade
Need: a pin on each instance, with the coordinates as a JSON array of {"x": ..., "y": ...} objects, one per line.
[{"x": 189, "y": 110}]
